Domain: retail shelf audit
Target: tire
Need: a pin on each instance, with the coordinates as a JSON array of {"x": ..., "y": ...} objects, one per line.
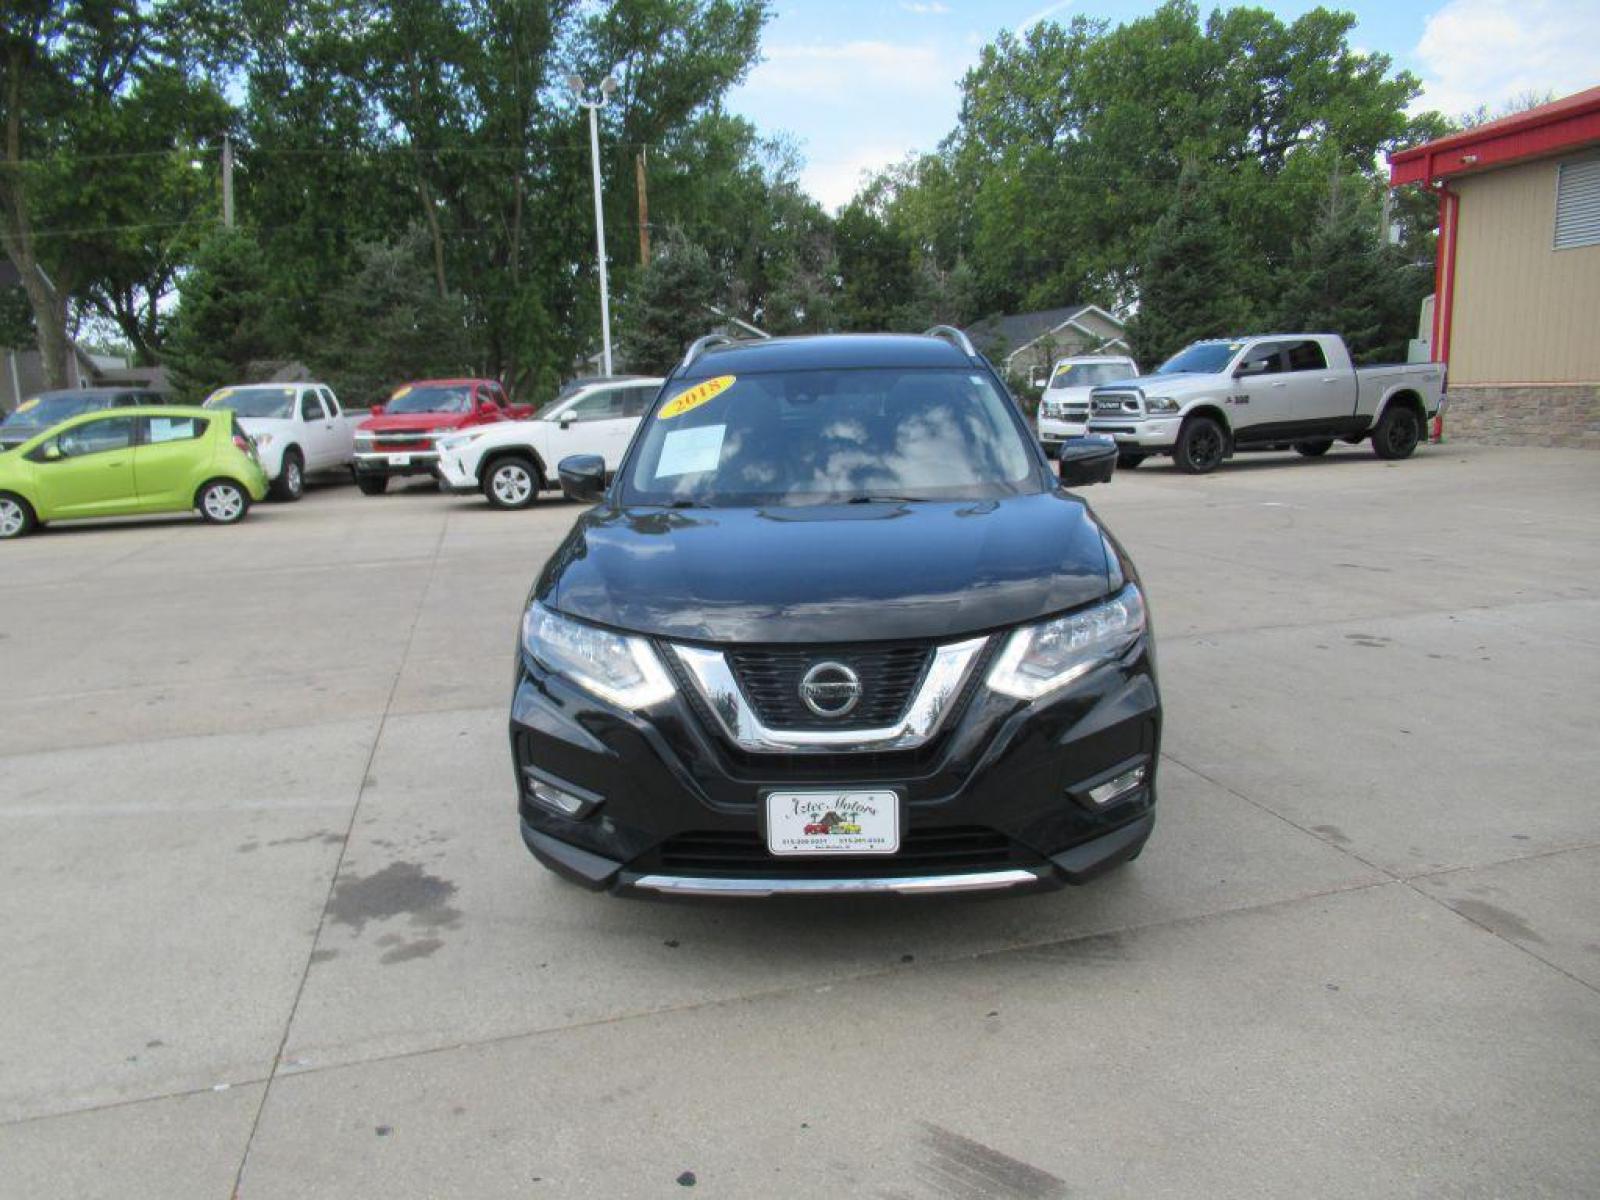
[
  {"x": 372, "y": 485},
  {"x": 16, "y": 517},
  {"x": 1398, "y": 432},
  {"x": 223, "y": 502},
  {"x": 1313, "y": 449},
  {"x": 290, "y": 484},
  {"x": 1127, "y": 460},
  {"x": 1201, "y": 446},
  {"x": 512, "y": 482}
]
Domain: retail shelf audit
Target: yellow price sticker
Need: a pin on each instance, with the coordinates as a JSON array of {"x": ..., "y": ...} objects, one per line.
[
  {"x": 699, "y": 394},
  {"x": 26, "y": 405},
  {"x": 401, "y": 391}
]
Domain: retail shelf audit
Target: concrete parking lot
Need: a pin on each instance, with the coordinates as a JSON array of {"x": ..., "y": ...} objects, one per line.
[{"x": 269, "y": 925}]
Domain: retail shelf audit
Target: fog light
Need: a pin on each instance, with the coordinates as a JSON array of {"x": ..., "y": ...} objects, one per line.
[
  {"x": 1115, "y": 789},
  {"x": 561, "y": 800}
]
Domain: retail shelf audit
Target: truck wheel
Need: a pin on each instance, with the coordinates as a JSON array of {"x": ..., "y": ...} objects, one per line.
[
  {"x": 1200, "y": 447},
  {"x": 1313, "y": 449},
  {"x": 16, "y": 517},
  {"x": 291, "y": 481},
  {"x": 223, "y": 502},
  {"x": 372, "y": 485},
  {"x": 1397, "y": 433},
  {"x": 511, "y": 482},
  {"x": 1127, "y": 460}
]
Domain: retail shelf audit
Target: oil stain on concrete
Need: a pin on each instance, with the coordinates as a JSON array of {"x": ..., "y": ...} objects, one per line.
[
  {"x": 953, "y": 1165},
  {"x": 1497, "y": 920},
  {"x": 401, "y": 889}
]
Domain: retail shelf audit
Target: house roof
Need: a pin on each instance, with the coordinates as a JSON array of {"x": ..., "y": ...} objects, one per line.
[
  {"x": 1564, "y": 124},
  {"x": 1004, "y": 336}
]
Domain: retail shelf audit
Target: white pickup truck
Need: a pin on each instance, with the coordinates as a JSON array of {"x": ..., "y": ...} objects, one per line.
[
  {"x": 298, "y": 429},
  {"x": 511, "y": 462},
  {"x": 1064, "y": 405},
  {"x": 1265, "y": 393}
]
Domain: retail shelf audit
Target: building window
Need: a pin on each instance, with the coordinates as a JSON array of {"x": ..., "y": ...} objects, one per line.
[{"x": 1578, "y": 204}]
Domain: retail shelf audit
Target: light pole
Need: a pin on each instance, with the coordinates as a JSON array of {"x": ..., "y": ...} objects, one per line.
[{"x": 594, "y": 103}]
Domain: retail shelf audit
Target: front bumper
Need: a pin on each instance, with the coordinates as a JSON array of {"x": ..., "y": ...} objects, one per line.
[
  {"x": 1054, "y": 430},
  {"x": 453, "y": 475},
  {"x": 1152, "y": 434},
  {"x": 410, "y": 462},
  {"x": 996, "y": 801}
]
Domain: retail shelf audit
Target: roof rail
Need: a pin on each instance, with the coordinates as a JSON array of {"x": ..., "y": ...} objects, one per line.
[
  {"x": 955, "y": 337},
  {"x": 700, "y": 345}
]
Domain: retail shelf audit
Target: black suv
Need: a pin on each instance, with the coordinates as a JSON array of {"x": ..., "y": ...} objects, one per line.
[{"x": 836, "y": 628}]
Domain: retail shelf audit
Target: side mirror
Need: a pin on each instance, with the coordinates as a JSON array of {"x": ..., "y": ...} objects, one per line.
[
  {"x": 377, "y": 410},
  {"x": 583, "y": 476},
  {"x": 1258, "y": 367},
  {"x": 1083, "y": 461}
]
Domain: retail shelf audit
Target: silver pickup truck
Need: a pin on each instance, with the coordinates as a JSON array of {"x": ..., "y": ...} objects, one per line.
[{"x": 1270, "y": 392}]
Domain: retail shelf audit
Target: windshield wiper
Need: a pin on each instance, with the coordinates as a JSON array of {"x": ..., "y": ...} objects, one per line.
[{"x": 885, "y": 500}]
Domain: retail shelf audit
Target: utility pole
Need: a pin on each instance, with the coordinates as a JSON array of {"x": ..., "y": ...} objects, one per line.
[
  {"x": 227, "y": 182},
  {"x": 644, "y": 206}
]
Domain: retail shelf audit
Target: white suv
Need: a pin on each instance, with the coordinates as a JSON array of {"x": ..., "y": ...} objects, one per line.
[
  {"x": 1064, "y": 406},
  {"x": 511, "y": 462}
]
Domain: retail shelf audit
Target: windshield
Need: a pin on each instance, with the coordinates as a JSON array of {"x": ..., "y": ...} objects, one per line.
[
  {"x": 456, "y": 398},
  {"x": 827, "y": 437},
  {"x": 1202, "y": 358},
  {"x": 271, "y": 402},
  {"x": 1075, "y": 375},
  {"x": 52, "y": 408}
]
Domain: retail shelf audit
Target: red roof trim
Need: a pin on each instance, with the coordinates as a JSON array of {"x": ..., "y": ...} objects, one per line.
[{"x": 1563, "y": 124}]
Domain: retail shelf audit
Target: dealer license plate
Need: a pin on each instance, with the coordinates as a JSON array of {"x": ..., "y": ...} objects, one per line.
[
  {"x": 806, "y": 823},
  {"x": 399, "y": 460}
]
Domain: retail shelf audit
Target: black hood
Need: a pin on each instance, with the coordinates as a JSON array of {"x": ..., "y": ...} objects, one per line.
[{"x": 835, "y": 573}]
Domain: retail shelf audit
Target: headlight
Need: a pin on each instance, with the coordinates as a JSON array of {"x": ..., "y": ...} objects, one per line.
[
  {"x": 1041, "y": 658},
  {"x": 1160, "y": 405},
  {"x": 364, "y": 439},
  {"x": 447, "y": 445},
  {"x": 620, "y": 669}
]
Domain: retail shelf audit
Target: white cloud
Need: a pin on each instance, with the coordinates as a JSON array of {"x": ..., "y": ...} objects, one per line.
[
  {"x": 833, "y": 182},
  {"x": 1049, "y": 10},
  {"x": 928, "y": 9},
  {"x": 848, "y": 68},
  {"x": 1476, "y": 52}
]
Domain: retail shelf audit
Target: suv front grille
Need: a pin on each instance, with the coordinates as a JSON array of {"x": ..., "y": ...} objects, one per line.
[
  {"x": 770, "y": 678},
  {"x": 743, "y": 854}
]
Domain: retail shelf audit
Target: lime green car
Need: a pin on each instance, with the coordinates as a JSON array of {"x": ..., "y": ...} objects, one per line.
[{"x": 130, "y": 460}]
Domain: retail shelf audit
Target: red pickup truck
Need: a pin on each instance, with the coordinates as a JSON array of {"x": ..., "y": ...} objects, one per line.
[{"x": 399, "y": 437}]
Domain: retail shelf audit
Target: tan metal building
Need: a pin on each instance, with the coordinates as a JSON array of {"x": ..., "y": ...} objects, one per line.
[{"x": 1517, "y": 307}]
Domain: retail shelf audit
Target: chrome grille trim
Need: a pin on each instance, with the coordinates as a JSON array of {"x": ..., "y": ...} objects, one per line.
[{"x": 711, "y": 675}]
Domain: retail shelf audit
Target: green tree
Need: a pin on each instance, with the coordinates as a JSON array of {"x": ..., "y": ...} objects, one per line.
[
  {"x": 388, "y": 323},
  {"x": 224, "y": 321},
  {"x": 1344, "y": 277},
  {"x": 1191, "y": 280},
  {"x": 670, "y": 307},
  {"x": 103, "y": 107}
]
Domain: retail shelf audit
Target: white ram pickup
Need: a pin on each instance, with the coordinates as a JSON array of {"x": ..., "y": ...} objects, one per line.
[
  {"x": 1270, "y": 392},
  {"x": 511, "y": 462},
  {"x": 298, "y": 429}
]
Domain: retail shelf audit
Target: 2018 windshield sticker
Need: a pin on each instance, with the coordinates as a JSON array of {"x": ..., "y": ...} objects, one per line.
[
  {"x": 699, "y": 394},
  {"x": 401, "y": 391},
  {"x": 28, "y": 404}
]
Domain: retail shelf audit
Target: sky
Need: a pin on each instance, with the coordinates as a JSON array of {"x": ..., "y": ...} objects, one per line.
[{"x": 860, "y": 84}]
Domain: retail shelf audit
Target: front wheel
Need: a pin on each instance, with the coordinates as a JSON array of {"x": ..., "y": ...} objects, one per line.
[
  {"x": 291, "y": 481},
  {"x": 1313, "y": 449},
  {"x": 511, "y": 483},
  {"x": 16, "y": 517},
  {"x": 372, "y": 485},
  {"x": 223, "y": 502},
  {"x": 1397, "y": 433},
  {"x": 1127, "y": 460},
  {"x": 1201, "y": 446}
]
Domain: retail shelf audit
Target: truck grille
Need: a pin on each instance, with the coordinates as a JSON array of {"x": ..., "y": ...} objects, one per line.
[
  {"x": 1117, "y": 403},
  {"x": 770, "y": 678}
]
